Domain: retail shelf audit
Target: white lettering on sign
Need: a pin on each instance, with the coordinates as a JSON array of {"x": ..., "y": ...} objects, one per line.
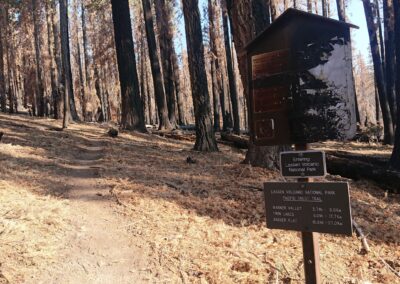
[{"x": 303, "y": 164}]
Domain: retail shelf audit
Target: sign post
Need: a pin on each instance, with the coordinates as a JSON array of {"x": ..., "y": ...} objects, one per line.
[
  {"x": 310, "y": 241},
  {"x": 301, "y": 90},
  {"x": 306, "y": 206}
]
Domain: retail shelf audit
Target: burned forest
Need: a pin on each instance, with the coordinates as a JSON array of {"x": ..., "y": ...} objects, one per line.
[{"x": 200, "y": 141}]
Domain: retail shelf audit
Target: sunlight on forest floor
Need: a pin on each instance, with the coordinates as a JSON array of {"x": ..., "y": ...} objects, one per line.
[{"x": 204, "y": 222}]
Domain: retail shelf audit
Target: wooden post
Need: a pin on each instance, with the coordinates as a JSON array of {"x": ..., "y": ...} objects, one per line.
[{"x": 310, "y": 241}]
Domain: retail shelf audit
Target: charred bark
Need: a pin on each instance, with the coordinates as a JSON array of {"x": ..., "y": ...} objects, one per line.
[
  {"x": 231, "y": 75},
  {"x": 82, "y": 86},
  {"x": 101, "y": 113},
  {"x": 3, "y": 98},
  {"x": 309, "y": 6},
  {"x": 82, "y": 89},
  {"x": 85, "y": 45},
  {"x": 164, "y": 123},
  {"x": 167, "y": 54},
  {"x": 261, "y": 16},
  {"x": 341, "y": 10},
  {"x": 388, "y": 21},
  {"x": 50, "y": 50},
  {"x": 216, "y": 75},
  {"x": 57, "y": 57},
  {"x": 38, "y": 56},
  {"x": 242, "y": 34},
  {"x": 132, "y": 116},
  {"x": 377, "y": 15},
  {"x": 205, "y": 137},
  {"x": 143, "y": 92},
  {"x": 379, "y": 76},
  {"x": 324, "y": 8},
  {"x": 66, "y": 62},
  {"x": 395, "y": 159}
]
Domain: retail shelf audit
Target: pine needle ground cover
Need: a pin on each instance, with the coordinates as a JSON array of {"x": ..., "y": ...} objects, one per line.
[{"x": 197, "y": 222}]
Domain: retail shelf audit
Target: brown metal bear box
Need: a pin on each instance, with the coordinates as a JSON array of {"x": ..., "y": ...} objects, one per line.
[{"x": 301, "y": 81}]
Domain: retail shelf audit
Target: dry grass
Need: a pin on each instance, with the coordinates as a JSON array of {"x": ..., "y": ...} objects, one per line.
[
  {"x": 204, "y": 222},
  {"x": 32, "y": 230}
]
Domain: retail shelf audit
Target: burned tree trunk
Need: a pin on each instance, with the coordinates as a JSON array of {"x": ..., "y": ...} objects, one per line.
[
  {"x": 9, "y": 53},
  {"x": 377, "y": 107},
  {"x": 379, "y": 76},
  {"x": 101, "y": 113},
  {"x": 205, "y": 137},
  {"x": 309, "y": 6},
  {"x": 82, "y": 86},
  {"x": 57, "y": 56},
  {"x": 164, "y": 123},
  {"x": 3, "y": 98},
  {"x": 143, "y": 91},
  {"x": 388, "y": 21},
  {"x": 82, "y": 89},
  {"x": 132, "y": 116},
  {"x": 216, "y": 75},
  {"x": 66, "y": 61},
  {"x": 167, "y": 54},
  {"x": 231, "y": 73},
  {"x": 261, "y": 16},
  {"x": 324, "y": 8},
  {"x": 377, "y": 15},
  {"x": 50, "y": 49},
  {"x": 242, "y": 34},
  {"x": 85, "y": 45},
  {"x": 341, "y": 10},
  {"x": 38, "y": 55},
  {"x": 395, "y": 159}
]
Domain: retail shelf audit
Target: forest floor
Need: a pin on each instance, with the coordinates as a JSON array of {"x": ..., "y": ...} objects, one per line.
[{"x": 77, "y": 206}]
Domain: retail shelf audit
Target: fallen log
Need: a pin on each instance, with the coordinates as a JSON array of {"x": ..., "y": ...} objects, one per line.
[
  {"x": 176, "y": 135},
  {"x": 376, "y": 160},
  {"x": 355, "y": 169},
  {"x": 241, "y": 142},
  {"x": 190, "y": 127},
  {"x": 349, "y": 165}
]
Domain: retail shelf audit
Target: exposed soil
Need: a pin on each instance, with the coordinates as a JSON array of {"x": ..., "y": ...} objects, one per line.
[{"x": 77, "y": 206}]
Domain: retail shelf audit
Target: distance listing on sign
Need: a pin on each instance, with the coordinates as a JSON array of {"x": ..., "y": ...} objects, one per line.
[{"x": 309, "y": 207}]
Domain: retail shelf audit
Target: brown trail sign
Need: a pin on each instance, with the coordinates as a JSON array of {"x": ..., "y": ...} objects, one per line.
[
  {"x": 301, "y": 81},
  {"x": 308, "y": 207},
  {"x": 301, "y": 90}
]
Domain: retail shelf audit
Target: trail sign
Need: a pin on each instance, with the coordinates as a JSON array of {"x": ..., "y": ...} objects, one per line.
[
  {"x": 298, "y": 164},
  {"x": 308, "y": 207},
  {"x": 300, "y": 81}
]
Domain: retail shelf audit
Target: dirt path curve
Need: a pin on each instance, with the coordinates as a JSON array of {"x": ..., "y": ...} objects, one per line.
[{"x": 99, "y": 250}]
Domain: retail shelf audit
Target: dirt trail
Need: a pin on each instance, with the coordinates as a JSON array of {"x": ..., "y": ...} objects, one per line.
[
  {"x": 99, "y": 250},
  {"x": 177, "y": 222}
]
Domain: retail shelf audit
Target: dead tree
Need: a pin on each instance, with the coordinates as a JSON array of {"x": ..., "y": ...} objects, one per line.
[
  {"x": 3, "y": 98},
  {"x": 39, "y": 63},
  {"x": 231, "y": 74},
  {"x": 205, "y": 137},
  {"x": 164, "y": 123},
  {"x": 66, "y": 61},
  {"x": 395, "y": 159},
  {"x": 243, "y": 33},
  {"x": 379, "y": 75},
  {"x": 132, "y": 116},
  {"x": 389, "y": 64}
]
